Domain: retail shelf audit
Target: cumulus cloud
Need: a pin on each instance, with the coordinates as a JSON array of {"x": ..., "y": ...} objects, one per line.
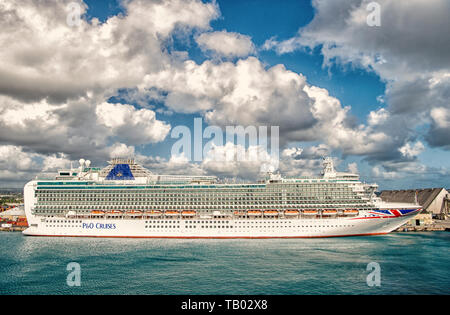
[
  {"x": 55, "y": 79},
  {"x": 128, "y": 52},
  {"x": 55, "y": 162},
  {"x": 438, "y": 135},
  {"x": 15, "y": 159},
  {"x": 303, "y": 161},
  {"x": 132, "y": 125},
  {"x": 246, "y": 93},
  {"x": 56, "y": 82},
  {"x": 17, "y": 165},
  {"x": 409, "y": 51},
  {"x": 379, "y": 173},
  {"x": 245, "y": 164},
  {"x": 237, "y": 161},
  {"x": 312, "y": 152},
  {"x": 411, "y": 151},
  {"x": 121, "y": 150},
  {"x": 82, "y": 128},
  {"x": 176, "y": 165},
  {"x": 414, "y": 173},
  {"x": 353, "y": 168},
  {"x": 45, "y": 53},
  {"x": 226, "y": 44},
  {"x": 378, "y": 117}
]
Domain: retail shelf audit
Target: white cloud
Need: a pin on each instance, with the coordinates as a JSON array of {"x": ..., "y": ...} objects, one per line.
[
  {"x": 134, "y": 126},
  {"x": 17, "y": 114},
  {"x": 128, "y": 52},
  {"x": 438, "y": 135},
  {"x": 378, "y": 117},
  {"x": 47, "y": 58},
  {"x": 55, "y": 162},
  {"x": 378, "y": 173},
  {"x": 17, "y": 166},
  {"x": 410, "y": 51},
  {"x": 83, "y": 128},
  {"x": 227, "y": 44},
  {"x": 121, "y": 150},
  {"x": 13, "y": 158},
  {"x": 441, "y": 117},
  {"x": 245, "y": 93},
  {"x": 282, "y": 47},
  {"x": 235, "y": 160},
  {"x": 55, "y": 78},
  {"x": 353, "y": 168},
  {"x": 411, "y": 151},
  {"x": 176, "y": 165},
  {"x": 292, "y": 152}
]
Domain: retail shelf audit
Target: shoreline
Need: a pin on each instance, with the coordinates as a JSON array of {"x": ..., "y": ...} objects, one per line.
[
  {"x": 13, "y": 229},
  {"x": 422, "y": 229}
]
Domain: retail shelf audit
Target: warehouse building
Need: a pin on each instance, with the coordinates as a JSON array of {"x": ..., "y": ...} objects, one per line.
[{"x": 13, "y": 214}]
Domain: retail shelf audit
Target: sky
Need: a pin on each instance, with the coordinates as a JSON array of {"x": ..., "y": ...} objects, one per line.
[{"x": 366, "y": 82}]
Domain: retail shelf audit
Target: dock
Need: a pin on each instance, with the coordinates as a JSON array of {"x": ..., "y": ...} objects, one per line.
[{"x": 435, "y": 225}]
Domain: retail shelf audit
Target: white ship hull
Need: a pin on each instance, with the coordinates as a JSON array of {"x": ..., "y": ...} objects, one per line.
[{"x": 234, "y": 228}]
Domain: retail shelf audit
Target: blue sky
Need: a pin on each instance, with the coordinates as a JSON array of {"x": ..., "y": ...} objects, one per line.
[{"x": 365, "y": 85}]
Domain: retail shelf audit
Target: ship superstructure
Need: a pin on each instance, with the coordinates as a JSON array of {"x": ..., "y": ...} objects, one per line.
[{"x": 126, "y": 200}]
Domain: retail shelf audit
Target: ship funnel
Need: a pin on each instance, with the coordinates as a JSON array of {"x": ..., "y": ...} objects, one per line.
[
  {"x": 81, "y": 161},
  {"x": 88, "y": 163}
]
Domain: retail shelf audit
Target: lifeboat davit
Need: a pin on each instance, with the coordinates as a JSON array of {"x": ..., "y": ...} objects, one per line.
[
  {"x": 329, "y": 212},
  {"x": 153, "y": 213},
  {"x": 254, "y": 213},
  {"x": 71, "y": 214},
  {"x": 188, "y": 213},
  {"x": 271, "y": 213},
  {"x": 114, "y": 213},
  {"x": 171, "y": 213},
  {"x": 310, "y": 212},
  {"x": 291, "y": 212},
  {"x": 351, "y": 212}
]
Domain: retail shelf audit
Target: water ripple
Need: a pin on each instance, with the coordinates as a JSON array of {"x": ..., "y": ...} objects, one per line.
[{"x": 411, "y": 263}]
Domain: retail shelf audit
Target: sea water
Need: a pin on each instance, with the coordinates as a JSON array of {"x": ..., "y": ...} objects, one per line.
[{"x": 409, "y": 263}]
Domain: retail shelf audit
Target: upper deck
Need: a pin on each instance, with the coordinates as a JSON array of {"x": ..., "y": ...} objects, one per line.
[{"x": 128, "y": 172}]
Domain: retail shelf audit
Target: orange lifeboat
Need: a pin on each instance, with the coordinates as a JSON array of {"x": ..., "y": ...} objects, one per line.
[
  {"x": 153, "y": 213},
  {"x": 351, "y": 212},
  {"x": 271, "y": 213},
  {"x": 329, "y": 212},
  {"x": 254, "y": 213},
  {"x": 291, "y": 212},
  {"x": 134, "y": 213},
  {"x": 188, "y": 213},
  {"x": 171, "y": 213},
  {"x": 97, "y": 213},
  {"x": 310, "y": 212},
  {"x": 239, "y": 213}
]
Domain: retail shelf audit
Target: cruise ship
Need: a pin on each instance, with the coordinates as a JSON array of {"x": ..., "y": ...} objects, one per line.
[{"x": 126, "y": 200}]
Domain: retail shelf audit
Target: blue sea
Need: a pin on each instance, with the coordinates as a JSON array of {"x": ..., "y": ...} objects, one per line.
[{"x": 409, "y": 263}]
